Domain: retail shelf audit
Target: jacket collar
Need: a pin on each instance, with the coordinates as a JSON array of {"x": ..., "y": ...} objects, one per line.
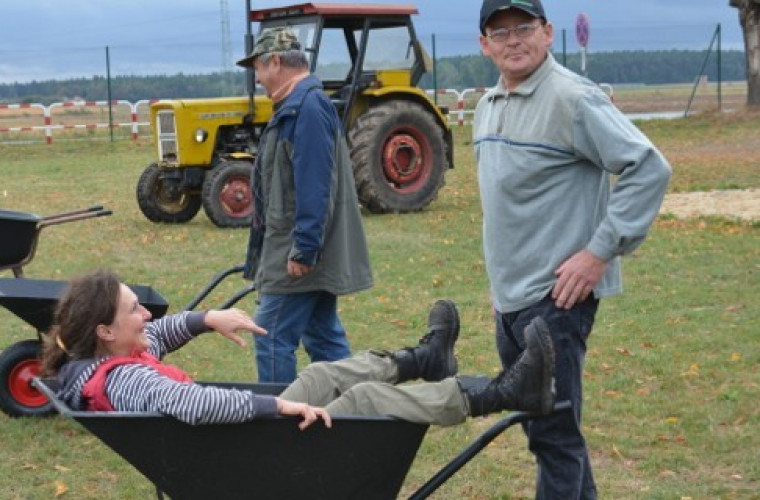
[
  {"x": 529, "y": 86},
  {"x": 296, "y": 97}
]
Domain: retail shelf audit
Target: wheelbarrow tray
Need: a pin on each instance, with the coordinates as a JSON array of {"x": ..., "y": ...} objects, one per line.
[
  {"x": 18, "y": 232},
  {"x": 34, "y": 300},
  {"x": 358, "y": 458}
]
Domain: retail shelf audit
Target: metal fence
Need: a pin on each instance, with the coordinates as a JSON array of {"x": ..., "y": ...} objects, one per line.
[{"x": 90, "y": 116}]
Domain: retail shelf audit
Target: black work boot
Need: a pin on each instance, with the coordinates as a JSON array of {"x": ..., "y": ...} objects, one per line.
[
  {"x": 433, "y": 358},
  {"x": 528, "y": 385}
]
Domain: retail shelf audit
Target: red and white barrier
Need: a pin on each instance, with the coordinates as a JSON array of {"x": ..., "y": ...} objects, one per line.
[
  {"x": 45, "y": 115},
  {"x": 49, "y": 126},
  {"x": 459, "y": 117},
  {"x": 461, "y": 106}
]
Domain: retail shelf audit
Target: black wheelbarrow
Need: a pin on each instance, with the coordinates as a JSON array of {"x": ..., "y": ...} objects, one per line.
[
  {"x": 19, "y": 232},
  {"x": 33, "y": 301},
  {"x": 358, "y": 458}
]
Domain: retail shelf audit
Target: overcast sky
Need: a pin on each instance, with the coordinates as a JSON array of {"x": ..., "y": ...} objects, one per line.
[{"x": 53, "y": 39}]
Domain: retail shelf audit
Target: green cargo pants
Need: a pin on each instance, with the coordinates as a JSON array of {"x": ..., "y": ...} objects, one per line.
[{"x": 363, "y": 385}]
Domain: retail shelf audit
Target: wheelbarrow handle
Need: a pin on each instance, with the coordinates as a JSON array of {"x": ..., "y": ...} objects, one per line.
[
  {"x": 214, "y": 283},
  {"x": 63, "y": 219},
  {"x": 238, "y": 296},
  {"x": 53, "y": 220},
  {"x": 95, "y": 208},
  {"x": 481, "y": 442}
]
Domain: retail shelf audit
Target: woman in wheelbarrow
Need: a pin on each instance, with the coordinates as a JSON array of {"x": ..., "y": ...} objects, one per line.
[{"x": 106, "y": 351}]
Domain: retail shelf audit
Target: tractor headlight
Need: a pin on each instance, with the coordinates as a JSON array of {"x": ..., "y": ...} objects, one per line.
[{"x": 201, "y": 135}]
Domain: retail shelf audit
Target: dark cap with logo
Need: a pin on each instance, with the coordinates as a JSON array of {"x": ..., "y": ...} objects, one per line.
[
  {"x": 491, "y": 7},
  {"x": 281, "y": 39}
]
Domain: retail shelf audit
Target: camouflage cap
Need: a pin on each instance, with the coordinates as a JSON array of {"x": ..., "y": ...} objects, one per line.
[{"x": 272, "y": 40}]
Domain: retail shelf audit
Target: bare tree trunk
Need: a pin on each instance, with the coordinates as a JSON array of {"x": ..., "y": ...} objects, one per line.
[{"x": 749, "y": 17}]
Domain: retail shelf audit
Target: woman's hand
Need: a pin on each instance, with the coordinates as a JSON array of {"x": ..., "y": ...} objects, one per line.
[
  {"x": 309, "y": 413},
  {"x": 228, "y": 321}
]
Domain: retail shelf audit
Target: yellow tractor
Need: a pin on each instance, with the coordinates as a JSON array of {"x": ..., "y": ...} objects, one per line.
[{"x": 370, "y": 61}]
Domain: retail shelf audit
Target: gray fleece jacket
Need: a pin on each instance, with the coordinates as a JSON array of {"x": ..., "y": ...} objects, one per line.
[{"x": 546, "y": 154}]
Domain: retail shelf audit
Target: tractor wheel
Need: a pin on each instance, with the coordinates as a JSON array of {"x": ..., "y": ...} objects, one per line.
[
  {"x": 399, "y": 157},
  {"x": 227, "y": 195},
  {"x": 19, "y": 363},
  {"x": 164, "y": 203}
]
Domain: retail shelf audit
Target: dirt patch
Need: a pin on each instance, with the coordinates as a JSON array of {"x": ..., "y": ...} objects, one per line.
[{"x": 740, "y": 203}]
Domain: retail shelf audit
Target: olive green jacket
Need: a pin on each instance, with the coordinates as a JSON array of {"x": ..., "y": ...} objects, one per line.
[{"x": 308, "y": 199}]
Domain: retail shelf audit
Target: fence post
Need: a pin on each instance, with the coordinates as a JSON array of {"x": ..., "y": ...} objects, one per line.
[
  {"x": 716, "y": 36},
  {"x": 720, "y": 71},
  {"x": 108, "y": 83},
  {"x": 48, "y": 125},
  {"x": 133, "y": 119},
  {"x": 435, "y": 74}
]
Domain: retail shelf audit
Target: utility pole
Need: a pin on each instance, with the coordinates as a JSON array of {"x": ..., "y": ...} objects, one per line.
[{"x": 226, "y": 48}]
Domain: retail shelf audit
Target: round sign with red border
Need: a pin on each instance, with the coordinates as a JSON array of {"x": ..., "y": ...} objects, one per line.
[{"x": 582, "y": 29}]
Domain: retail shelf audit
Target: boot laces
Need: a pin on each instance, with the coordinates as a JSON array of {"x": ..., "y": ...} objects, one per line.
[
  {"x": 425, "y": 339},
  {"x": 510, "y": 375}
]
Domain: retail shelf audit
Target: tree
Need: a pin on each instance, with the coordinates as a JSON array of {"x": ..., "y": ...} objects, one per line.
[{"x": 749, "y": 18}]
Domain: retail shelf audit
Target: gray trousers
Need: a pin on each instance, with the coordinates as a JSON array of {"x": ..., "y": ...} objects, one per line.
[{"x": 363, "y": 385}]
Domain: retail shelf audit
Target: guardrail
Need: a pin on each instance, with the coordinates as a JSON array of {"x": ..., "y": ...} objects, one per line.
[
  {"x": 48, "y": 125},
  {"x": 460, "y": 113},
  {"x": 458, "y": 117}
]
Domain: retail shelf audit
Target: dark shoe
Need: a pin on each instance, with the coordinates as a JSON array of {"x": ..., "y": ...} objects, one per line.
[
  {"x": 528, "y": 385},
  {"x": 433, "y": 358}
]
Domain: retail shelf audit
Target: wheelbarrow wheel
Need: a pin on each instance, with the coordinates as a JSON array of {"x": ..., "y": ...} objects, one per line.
[{"x": 19, "y": 363}]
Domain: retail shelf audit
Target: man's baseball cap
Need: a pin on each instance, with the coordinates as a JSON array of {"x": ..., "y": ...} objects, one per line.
[
  {"x": 279, "y": 39},
  {"x": 491, "y": 7}
]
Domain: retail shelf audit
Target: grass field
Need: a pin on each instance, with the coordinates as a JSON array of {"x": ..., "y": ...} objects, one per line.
[{"x": 672, "y": 375}]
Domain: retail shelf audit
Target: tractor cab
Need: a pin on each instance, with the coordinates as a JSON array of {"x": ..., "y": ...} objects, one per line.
[{"x": 352, "y": 48}]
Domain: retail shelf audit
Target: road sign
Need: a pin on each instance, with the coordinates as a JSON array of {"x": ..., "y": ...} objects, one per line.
[{"x": 582, "y": 29}]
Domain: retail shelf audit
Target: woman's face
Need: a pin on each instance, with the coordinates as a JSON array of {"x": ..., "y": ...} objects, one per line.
[{"x": 127, "y": 332}]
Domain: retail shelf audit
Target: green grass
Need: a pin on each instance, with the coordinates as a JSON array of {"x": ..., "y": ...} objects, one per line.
[{"x": 672, "y": 370}]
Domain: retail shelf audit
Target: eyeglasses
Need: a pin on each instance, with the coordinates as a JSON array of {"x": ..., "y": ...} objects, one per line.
[{"x": 522, "y": 32}]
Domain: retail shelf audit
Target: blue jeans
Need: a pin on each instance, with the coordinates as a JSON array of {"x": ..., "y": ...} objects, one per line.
[
  {"x": 564, "y": 470},
  {"x": 311, "y": 318}
]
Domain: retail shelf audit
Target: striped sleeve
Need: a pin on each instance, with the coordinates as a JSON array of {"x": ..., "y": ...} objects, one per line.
[
  {"x": 169, "y": 333},
  {"x": 140, "y": 388}
]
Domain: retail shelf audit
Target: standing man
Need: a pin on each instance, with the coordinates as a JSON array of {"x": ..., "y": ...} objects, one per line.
[
  {"x": 307, "y": 243},
  {"x": 554, "y": 226}
]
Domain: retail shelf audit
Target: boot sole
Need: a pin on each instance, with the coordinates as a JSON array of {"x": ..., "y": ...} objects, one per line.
[
  {"x": 451, "y": 360},
  {"x": 544, "y": 338}
]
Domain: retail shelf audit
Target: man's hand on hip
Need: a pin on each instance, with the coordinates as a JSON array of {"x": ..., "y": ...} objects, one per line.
[
  {"x": 577, "y": 277},
  {"x": 298, "y": 270}
]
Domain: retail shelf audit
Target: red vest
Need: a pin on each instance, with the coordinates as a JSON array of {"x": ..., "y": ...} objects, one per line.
[{"x": 94, "y": 391}]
